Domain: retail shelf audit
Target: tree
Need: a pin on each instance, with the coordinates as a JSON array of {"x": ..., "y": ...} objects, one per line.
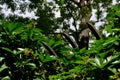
[
  {"x": 74, "y": 16},
  {"x": 32, "y": 49}
]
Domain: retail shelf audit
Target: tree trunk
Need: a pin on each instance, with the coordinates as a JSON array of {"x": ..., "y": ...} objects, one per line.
[{"x": 84, "y": 5}]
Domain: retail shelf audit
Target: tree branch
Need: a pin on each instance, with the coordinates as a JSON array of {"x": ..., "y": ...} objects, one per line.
[
  {"x": 70, "y": 40},
  {"x": 94, "y": 31},
  {"x": 49, "y": 48}
]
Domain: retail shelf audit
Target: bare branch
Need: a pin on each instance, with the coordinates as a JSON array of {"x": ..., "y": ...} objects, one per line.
[
  {"x": 51, "y": 51},
  {"x": 70, "y": 40},
  {"x": 49, "y": 48},
  {"x": 94, "y": 31}
]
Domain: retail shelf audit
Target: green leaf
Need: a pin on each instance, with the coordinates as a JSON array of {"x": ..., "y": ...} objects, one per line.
[
  {"x": 116, "y": 29},
  {"x": 15, "y": 52},
  {"x": 49, "y": 58},
  {"x": 96, "y": 62},
  {"x": 6, "y": 78},
  {"x": 110, "y": 61},
  {"x": 1, "y": 58},
  {"x": 113, "y": 70},
  {"x": 37, "y": 30},
  {"x": 109, "y": 28},
  {"x": 31, "y": 65},
  {"x": 13, "y": 27},
  {"x": 3, "y": 67},
  {"x": 110, "y": 41},
  {"x": 7, "y": 49},
  {"x": 57, "y": 44}
]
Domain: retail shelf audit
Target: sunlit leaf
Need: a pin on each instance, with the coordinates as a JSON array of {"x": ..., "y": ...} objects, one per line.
[
  {"x": 3, "y": 67},
  {"x": 31, "y": 65},
  {"x": 6, "y": 78}
]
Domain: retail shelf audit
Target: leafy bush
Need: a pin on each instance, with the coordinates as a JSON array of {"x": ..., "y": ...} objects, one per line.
[{"x": 22, "y": 52}]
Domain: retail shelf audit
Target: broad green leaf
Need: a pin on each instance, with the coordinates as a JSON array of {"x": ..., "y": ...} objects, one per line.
[
  {"x": 113, "y": 70},
  {"x": 110, "y": 61},
  {"x": 6, "y": 78},
  {"x": 13, "y": 26},
  {"x": 3, "y": 67}
]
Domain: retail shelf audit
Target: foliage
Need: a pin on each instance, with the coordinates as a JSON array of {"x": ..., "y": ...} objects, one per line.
[
  {"x": 69, "y": 14},
  {"x": 24, "y": 56},
  {"x": 113, "y": 21},
  {"x": 31, "y": 50}
]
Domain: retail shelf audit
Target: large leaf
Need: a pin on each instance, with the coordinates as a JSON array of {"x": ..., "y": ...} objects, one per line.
[
  {"x": 3, "y": 67},
  {"x": 6, "y": 78},
  {"x": 13, "y": 27}
]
